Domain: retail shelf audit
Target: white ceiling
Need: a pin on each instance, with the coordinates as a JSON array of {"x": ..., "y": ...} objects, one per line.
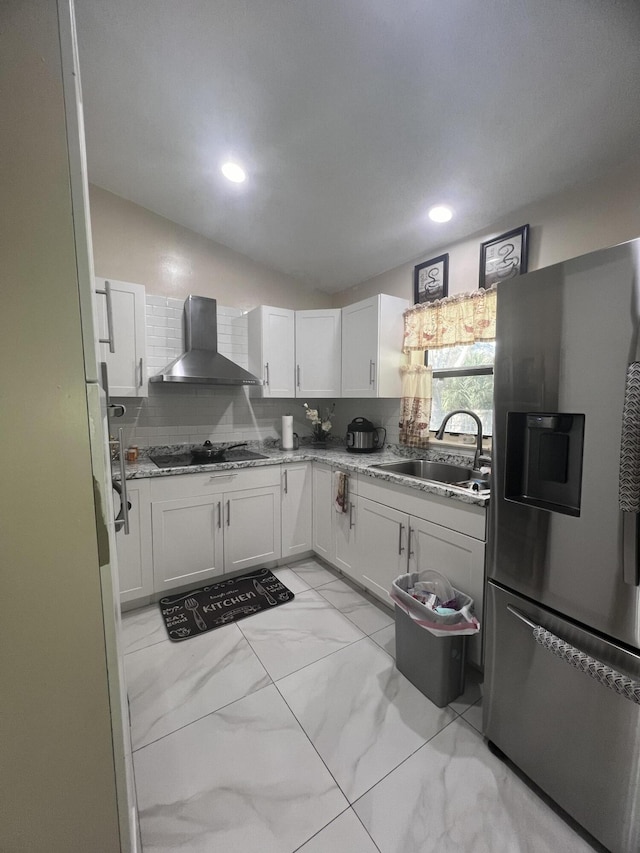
[{"x": 353, "y": 117}]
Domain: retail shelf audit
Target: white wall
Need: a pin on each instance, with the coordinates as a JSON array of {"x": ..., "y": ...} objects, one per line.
[
  {"x": 592, "y": 216},
  {"x": 131, "y": 243}
]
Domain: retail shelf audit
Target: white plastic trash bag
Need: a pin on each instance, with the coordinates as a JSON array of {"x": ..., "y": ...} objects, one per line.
[{"x": 462, "y": 622}]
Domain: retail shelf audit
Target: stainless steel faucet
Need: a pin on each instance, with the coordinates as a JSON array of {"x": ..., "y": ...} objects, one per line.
[{"x": 479, "y": 456}]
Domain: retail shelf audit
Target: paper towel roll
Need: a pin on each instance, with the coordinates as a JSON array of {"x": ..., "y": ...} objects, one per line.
[{"x": 287, "y": 432}]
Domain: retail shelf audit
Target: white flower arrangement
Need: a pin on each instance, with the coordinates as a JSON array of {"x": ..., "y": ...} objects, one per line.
[{"x": 321, "y": 425}]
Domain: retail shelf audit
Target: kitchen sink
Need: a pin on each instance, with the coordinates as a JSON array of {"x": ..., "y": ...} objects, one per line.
[{"x": 438, "y": 472}]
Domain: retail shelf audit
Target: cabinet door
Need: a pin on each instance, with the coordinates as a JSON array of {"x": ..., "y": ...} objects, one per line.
[
  {"x": 345, "y": 534},
  {"x": 187, "y": 540},
  {"x": 458, "y": 557},
  {"x": 126, "y": 365},
  {"x": 382, "y": 538},
  {"x": 318, "y": 353},
  {"x": 251, "y": 527},
  {"x": 296, "y": 509},
  {"x": 278, "y": 336},
  {"x": 135, "y": 569},
  {"x": 360, "y": 348},
  {"x": 272, "y": 350},
  {"x": 323, "y": 511}
]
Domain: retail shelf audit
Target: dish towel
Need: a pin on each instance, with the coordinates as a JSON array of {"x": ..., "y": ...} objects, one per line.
[{"x": 342, "y": 491}]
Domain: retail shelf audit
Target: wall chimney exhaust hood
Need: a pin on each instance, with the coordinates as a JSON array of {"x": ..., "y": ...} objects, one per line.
[{"x": 202, "y": 363}]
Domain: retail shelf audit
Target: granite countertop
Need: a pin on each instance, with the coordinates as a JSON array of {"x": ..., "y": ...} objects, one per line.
[{"x": 359, "y": 463}]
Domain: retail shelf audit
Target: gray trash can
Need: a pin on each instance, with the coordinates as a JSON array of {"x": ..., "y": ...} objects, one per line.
[
  {"x": 435, "y": 665},
  {"x": 431, "y": 647}
]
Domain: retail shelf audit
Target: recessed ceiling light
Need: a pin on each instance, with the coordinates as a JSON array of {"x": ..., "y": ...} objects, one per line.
[
  {"x": 440, "y": 213},
  {"x": 233, "y": 172}
]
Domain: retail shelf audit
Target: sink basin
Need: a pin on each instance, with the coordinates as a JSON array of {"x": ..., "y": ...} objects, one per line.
[{"x": 438, "y": 472}]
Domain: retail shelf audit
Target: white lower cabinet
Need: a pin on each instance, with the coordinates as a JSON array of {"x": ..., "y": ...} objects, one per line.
[
  {"x": 135, "y": 567},
  {"x": 251, "y": 527},
  {"x": 187, "y": 540},
  {"x": 297, "y": 500},
  {"x": 208, "y": 524},
  {"x": 323, "y": 511},
  {"x": 346, "y": 540},
  {"x": 382, "y": 533}
]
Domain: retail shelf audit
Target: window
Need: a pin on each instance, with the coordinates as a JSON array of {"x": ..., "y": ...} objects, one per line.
[{"x": 463, "y": 379}]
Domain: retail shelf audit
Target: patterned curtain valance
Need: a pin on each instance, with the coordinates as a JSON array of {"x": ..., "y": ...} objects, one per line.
[{"x": 461, "y": 319}]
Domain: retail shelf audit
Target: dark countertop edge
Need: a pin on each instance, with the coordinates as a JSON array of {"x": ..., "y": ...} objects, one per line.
[{"x": 145, "y": 469}]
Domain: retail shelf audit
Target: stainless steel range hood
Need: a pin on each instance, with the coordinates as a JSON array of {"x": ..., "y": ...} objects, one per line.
[{"x": 202, "y": 363}]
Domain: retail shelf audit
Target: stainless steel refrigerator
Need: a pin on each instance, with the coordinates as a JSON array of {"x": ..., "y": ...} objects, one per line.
[{"x": 562, "y": 654}]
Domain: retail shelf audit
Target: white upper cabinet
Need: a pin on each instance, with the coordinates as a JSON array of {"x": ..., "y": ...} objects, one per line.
[
  {"x": 372, "y": 332},
  {"x": 318, "y": 353},
  {"x": 272, "y": 350},
  {"x": 121, "y": 320}
]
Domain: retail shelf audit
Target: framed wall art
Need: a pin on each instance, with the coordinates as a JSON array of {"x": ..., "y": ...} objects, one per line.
[
  {"x": 504, "y": 257},
  {"x": 431, "y": 279}
]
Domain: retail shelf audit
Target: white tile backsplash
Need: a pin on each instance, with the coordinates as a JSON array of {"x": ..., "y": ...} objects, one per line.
[{"x": 177, "y": 414}]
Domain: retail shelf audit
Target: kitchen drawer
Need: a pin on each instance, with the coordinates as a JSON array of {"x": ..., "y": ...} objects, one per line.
[
  {"x": 213, "y": 482},
  {"x": 465, "y": 518}
]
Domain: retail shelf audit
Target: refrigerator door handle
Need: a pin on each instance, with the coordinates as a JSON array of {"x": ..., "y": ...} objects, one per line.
[
  {"x": 629, "y": 480},
  {"x": 599, "y": 671}
]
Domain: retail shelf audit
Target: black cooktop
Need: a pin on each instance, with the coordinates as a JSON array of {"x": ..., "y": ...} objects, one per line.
[{"x": 180, "y": 460}]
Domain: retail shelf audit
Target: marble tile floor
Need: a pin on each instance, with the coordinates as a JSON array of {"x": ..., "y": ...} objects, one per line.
[{"x": 293, "y": 731}]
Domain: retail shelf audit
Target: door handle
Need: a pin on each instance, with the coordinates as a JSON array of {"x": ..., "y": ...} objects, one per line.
[
  {"x": 372, "y": 372},
  {"x": 266, "y": 374},
  {"x": 400, "y": 546},
  {"x": 286, "y": 482},
  {"x": 409, "y": 542},
  {"x": 228, "y": 513},
  {"x": 219, "y": 515},
  {"x": 298, "y": 375},
  {"x": 594, "y": 668},
  {"x": 110, "y": 338},
  {"x": 124, "y": 522},
  {"x": 351, "y": 524},
  {"x": 141, "y": 374},
  {"x": 629, "y": 477}
]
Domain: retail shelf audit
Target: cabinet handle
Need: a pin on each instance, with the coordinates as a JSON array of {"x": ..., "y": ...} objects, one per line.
[
  {"x": 219, "y": 515},
  {"x": 124, "y": 498},
  {"x": 298, "y": 375},
  {"x": 409, "y": 543},
  {"x": 400, "y": 545},
  {"x": 372, "y": 373},
  {"x": 228, "y": 513},
  {"x": 351, "y": 524},
  {"x": 266, "y": 374},
  {"x": 109, "y": 339},
  {"x": 141, "y": 374},
  {"x": 286, "y": 482}
]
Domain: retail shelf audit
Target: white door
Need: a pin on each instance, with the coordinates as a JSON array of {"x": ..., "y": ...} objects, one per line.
[
  {"x": 121, "y": 318},
  {"x": 251, "y": 521},
  {"x": 187, "y": 540},
  {"x": 323, "y": 510},
  {"x": 360, "y": 349},
  {"x": 318, "y": 353},
  {"x": 458, "y": 557},
  {"x": 278, "y": 335},
  {"x": 345, "y": 533},
  {"x": 296, "y": 509},
  {"x": 135, "y": 569},
  {"x": 382, "y": 538}
]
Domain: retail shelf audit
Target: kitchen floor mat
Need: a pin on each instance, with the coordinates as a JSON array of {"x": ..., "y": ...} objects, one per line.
[{"x": 208, "y": 607}]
